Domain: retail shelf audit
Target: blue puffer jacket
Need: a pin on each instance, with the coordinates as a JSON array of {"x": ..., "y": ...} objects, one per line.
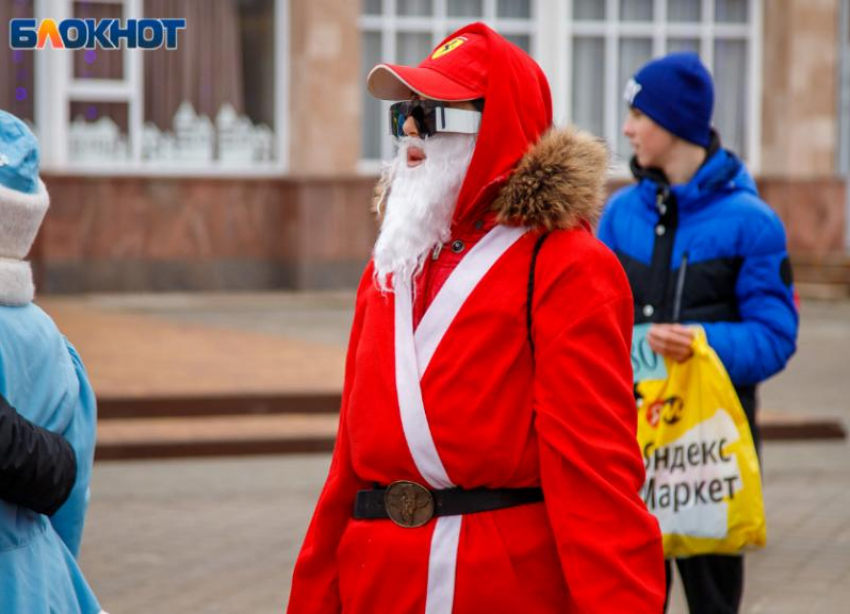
[
  {"x": 42, "y": 376},
  {"x": 709, "y": 252}
]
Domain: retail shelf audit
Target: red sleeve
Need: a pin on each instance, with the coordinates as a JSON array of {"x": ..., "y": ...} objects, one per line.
[
  {"x": 591, "y": 467},
  {"x": 314, "y": 581}
]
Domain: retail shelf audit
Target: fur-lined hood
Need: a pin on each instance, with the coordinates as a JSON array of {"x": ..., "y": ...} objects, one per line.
[{"x": 559, "y": 183}]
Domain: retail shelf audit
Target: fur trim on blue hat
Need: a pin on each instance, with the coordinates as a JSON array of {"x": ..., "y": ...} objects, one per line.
[
  {"x": 16, "y": 286},
  {"x": 21, "y": 215},
  {"x": 677, "y": 93}
]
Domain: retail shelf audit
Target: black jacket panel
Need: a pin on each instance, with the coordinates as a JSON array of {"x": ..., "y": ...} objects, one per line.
[
  {"x": 38, "y": 468},
  {"x": 703, "y": 292}
]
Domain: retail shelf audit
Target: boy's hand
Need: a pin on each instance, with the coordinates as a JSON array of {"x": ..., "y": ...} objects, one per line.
[{"x": 671, "y": 340}]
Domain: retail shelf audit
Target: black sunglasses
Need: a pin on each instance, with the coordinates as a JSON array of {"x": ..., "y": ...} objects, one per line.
[{"x": 433, "y": 116}]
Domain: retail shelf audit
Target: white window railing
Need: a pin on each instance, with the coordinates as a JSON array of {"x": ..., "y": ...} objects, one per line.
[
  {"x": 100, "y": 112},
  {"x": 588, "y": 49}
]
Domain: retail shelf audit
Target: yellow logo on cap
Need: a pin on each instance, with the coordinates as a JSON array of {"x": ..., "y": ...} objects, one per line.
[{"x": 448, "y": 47}]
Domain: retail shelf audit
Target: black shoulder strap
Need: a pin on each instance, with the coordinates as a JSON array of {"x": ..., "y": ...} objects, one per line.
[{"x": 530, "y": 299}]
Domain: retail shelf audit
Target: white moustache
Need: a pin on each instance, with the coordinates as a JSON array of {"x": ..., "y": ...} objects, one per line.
[{"x": 420, "y": 204}]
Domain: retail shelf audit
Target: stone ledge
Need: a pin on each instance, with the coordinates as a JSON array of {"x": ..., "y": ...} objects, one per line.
[
  {"x": 117, "y": 408},
  {"x": 190, "y": 427},
  {"x": 154, "y": 233},
  {"x": 145, "y": 438}
]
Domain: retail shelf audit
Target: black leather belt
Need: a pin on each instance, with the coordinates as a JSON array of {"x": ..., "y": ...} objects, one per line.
[{"x": 409, "y": 504}]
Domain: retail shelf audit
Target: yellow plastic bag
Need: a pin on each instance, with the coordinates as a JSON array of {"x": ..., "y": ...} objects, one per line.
[{"x": 702, "y": 471}]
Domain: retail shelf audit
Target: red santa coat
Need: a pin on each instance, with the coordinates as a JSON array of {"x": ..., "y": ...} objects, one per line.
[
  {"x": 562, "y": 419},
  {"x": 446, "y": 391}
]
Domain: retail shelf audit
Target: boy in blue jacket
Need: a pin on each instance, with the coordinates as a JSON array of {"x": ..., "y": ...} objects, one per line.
[
  {"x": 700, "y": 248},
  {"x": 42, "y": 377}
]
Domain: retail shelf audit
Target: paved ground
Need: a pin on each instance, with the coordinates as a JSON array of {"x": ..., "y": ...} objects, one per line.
[
  {"x": 220, "y": 536},
  {"x": 180, "y": 344}
]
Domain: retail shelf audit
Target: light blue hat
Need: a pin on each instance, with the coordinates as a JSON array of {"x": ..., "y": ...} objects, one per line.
[
  {"x": 19, "y": 155},
  {"x": 23, "y": 197}
]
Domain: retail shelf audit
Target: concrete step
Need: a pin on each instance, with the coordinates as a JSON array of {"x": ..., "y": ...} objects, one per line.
[
  {"x": 822, "y": 277},
  {"x": 147, "y": 438},
  {"x": 780, "y": 426},
  {"x": 226, "y": 404},
  {"x": 253, "y": 432},
  {"x": 821, "y": 269}
]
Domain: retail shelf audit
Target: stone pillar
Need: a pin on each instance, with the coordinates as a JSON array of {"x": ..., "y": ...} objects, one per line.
[
  {"x": 324, "y": 87},
  {"x": 799, "y": 99}
]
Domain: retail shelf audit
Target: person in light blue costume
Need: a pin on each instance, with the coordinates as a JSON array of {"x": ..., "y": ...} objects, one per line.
[{"x": 42, "y": 376}]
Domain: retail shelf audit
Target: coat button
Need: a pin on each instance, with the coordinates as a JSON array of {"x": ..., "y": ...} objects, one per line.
[
  {"x": 660, "y": 230},
  {"x": 479, "y": 224},
  {"x": 458, "y": 246},
  {"x": 648, "y": 310}
]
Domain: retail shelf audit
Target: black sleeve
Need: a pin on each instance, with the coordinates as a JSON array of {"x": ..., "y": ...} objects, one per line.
[{"x": 38, "y": 468}]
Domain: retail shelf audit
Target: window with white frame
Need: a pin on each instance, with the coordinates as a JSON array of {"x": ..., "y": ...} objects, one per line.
[
  {"x": 17, "y": 67},
  {"x": 589, "y": 49},
  {"x": 609, "y": 40},
  {"x": 405, "y": 31},
  {"x": 216, "y": 103}
]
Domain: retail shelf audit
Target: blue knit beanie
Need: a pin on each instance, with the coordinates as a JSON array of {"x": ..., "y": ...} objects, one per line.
[{"x": 677, "y": 92}]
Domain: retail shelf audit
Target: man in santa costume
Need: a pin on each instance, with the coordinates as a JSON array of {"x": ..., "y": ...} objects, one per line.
[{"x": 486, "y": 458}]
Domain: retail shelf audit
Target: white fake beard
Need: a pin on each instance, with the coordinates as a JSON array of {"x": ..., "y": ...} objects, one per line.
[{"x": 420, "y": 204}]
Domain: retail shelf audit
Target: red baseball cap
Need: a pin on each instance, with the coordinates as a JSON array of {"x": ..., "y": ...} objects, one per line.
[{"x": 456, "y": 70}]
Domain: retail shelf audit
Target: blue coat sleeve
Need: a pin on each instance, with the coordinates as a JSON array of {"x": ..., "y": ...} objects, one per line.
[
  {"x": 760, "y": 345},
  {"x": 81, "y": 409},
  {"x": 605, "y": 230}
]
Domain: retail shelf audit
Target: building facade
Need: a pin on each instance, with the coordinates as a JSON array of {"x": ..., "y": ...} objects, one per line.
[{"x": 245, "y": 158}]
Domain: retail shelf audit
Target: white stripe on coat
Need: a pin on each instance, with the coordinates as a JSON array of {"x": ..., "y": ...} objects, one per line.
[
  {"x": 413, "y": 354},
  {"x": 457, "y": 288},
  {"x": 413, "y": 418},
  {"x": 442, "y": 565}
]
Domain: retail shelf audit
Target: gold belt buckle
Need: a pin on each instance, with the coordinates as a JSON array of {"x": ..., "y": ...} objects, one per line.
[{"x": 409, "y": 504}]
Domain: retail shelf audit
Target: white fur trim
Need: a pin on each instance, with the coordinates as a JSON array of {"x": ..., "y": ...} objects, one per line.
[
  {"x": 16, "y": 287},
  {"x": 20, "y": 217}
]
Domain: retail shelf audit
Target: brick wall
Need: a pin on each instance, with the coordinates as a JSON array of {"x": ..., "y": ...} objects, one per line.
[
  {"x": 141, "y": 234},
  {"x": 128, "y": 234}
]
